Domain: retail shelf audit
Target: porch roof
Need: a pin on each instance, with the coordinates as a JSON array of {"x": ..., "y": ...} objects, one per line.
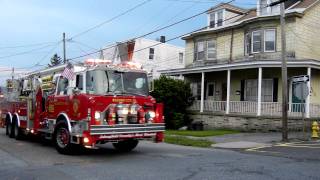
[{"x": 315, "y": 64}]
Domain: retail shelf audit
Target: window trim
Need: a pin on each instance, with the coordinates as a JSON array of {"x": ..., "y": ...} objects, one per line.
[
  {"x": 274, "y": 42},
  {"x": 196, "y": 50},
  {"x": 252, "y": 52},
  {"x": 179, "y": 57},
  {"x": 248, "y": 34}
]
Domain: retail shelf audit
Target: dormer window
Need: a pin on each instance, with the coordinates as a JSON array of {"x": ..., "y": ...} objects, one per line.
[
  {"x": 216, "y": 18},
  {"x": 265, "y": 9}
]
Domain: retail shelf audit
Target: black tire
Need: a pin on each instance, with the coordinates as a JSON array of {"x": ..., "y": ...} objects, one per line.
[
  {"x": 17, "y": 131},
  {"x": 62, "y": 139},
  {"x": 11, "y": 130},
  {"x": 125, "y": 146},
  {"x": 7, "y": 127}
]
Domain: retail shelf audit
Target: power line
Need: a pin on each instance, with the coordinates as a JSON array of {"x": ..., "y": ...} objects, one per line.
[
  {"x": 111, "y": 19},
  {"x": 154, "y": 31},
  {"x": 27, "y": 45},
  {"x": 25, "y": 52},
  {"x": 177, "y": 37}
]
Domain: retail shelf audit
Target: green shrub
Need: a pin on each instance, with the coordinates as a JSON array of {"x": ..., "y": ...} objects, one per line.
[{"x": 176, "y": 96}]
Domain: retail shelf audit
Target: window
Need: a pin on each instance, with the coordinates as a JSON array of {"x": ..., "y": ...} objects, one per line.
[
  {"x": 269, "y": 40},
  {"x": 248, "y": 44},
  {"x": 205, "y": 50},
  {"x": 63, "y": 86},
  {"x": 180, "y": 58},
  {"x": 212, "y": 19},
  {"x": 196, "y": 90},
  {"x": 200, "y": 50},
  {"x": 220, "y": 18},
  {"x": 251, "y": 90},
  {"x": 79, "y": 82},
  {"x": 151, "y": 54},
  {"x": 267, "y": 90},
  {"x": 256, "y": 41},
  {"x": 211, "y": 49}
]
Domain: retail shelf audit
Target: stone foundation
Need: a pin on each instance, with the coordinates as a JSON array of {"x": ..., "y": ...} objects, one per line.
[{"x": 247, "y": 122}]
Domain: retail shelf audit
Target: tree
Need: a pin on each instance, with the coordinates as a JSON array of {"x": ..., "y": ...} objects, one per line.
[
  {"x": 176, "y": 96},
  {"x": 55, "y": 60}
]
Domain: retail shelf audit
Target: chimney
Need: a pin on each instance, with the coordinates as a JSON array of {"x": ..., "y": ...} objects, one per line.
[{"x": 163, "y": 39}]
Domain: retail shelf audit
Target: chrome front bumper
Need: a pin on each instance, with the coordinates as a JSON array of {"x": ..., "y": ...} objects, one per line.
[{"x": 126, "y": 129}]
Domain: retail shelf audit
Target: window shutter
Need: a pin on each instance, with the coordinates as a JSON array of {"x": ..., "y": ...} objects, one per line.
[
  {"x": 242, "y": 91},
  {"x": 275, "y": 90}
]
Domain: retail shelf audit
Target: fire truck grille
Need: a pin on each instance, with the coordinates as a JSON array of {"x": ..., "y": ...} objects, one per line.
[{"x": 126, "y": 129}]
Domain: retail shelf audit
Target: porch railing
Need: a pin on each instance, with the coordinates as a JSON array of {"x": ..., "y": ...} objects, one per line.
[
  {"x": 215, "y": 106},
  {"x": 251, "y": 107},
  {"x": 246, "y": 107}
]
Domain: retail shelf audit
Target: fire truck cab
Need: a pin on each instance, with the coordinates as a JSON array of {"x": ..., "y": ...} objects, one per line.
[{"x": 100, "y": 103}]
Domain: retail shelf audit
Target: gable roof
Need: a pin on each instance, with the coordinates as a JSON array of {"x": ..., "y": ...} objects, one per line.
[
  {"x": 228, "y": 6},
  {"x": 251, "y": 15}
]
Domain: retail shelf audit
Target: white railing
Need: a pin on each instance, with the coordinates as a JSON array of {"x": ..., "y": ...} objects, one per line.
[
  {"x": 271, "y": 108},
  {"x": 297, "y": 109},
  {"x": 245, "y": 107},
  {"x": 215, "y": 106},
  {"x": 250, "y": 107}
]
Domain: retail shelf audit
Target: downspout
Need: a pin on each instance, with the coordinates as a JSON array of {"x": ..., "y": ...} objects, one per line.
[{"x": 231, "y": 46}]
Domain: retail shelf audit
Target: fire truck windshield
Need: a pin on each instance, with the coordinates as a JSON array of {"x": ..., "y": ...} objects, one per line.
[{"x": 116, "y": 82}]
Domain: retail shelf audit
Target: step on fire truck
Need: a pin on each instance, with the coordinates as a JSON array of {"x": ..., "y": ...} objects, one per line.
[{"x": 98, "y": 103}]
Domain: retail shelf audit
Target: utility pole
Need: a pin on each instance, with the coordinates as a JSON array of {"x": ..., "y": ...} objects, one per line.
[
  {"x": 12, "y": 74},
  {"x": 284, "y": 70},
  {"x": 64, "y": 48}
]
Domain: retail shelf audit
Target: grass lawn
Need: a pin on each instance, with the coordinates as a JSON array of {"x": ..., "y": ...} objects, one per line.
[
  {"x": 181, "y": 140},
  {"x": 200, "y": 133}
]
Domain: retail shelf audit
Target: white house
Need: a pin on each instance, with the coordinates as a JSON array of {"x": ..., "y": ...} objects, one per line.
[{"x": 152, "y": 55}]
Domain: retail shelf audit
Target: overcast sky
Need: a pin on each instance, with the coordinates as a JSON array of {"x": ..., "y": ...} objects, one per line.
[{"x": 38, "y": 21}]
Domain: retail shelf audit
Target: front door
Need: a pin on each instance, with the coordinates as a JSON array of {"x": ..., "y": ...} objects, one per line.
[{"x": 297, "y": 104}]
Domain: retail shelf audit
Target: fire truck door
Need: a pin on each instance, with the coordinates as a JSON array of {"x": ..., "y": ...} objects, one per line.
[{"x": 38, "y": 108}]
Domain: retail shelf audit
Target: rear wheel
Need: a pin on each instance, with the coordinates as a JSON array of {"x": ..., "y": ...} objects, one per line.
[
  {"x": 125, "y": 146},
  {"x": 10, "y": 130},
  {"x": 7, "y": 127},
  {"x": 17, "y": 131},
  {"x": 62, "y": 139}
]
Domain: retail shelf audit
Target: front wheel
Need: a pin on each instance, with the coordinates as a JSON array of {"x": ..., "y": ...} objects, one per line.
[
  {"x": 62, "y": 139},
  {"x": 126, "y": 146}
]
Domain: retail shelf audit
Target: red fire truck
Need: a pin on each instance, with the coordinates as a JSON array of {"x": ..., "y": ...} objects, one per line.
[{"x": 100, "y": 103}]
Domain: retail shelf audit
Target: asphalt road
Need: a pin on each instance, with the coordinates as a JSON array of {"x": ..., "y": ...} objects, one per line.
[{"x": 32, "y": 160}]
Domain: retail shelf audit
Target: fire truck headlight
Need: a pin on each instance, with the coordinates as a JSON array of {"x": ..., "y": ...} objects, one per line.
[
  {"x": 97, "y": 115},
  {"x": 152, "y": 114}
]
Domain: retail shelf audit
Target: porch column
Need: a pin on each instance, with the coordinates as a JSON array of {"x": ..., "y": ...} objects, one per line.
[
  {"x": 308, "y": 97},
  {"x": 202, "y": 92},
  {"x": 259, "y": 91},
  {"x": 228, "y": 92}
]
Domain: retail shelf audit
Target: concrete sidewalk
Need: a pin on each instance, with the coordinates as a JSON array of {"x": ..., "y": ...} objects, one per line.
[{"x": 251, "y": 140}]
